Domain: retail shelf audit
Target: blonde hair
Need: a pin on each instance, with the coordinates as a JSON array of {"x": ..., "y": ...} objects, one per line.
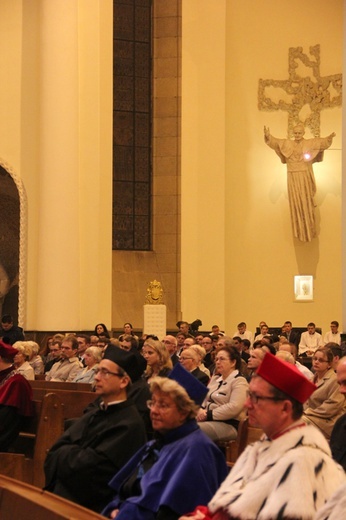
[
  {"x": 34, "y": 347},
  {"x": 179, "y": 395},
  {"x": 164, "y": 356},
  {"x": 24, "y": 348}
]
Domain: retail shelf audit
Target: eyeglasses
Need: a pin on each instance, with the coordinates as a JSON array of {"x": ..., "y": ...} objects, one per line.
[
  {"x": 254, "y": 398},
  {"x": 320, "y": 360},
  {"x": 103, "y": 372},
  {"x": 163, "y": 407},
  {"x": 184, "y": 358}
]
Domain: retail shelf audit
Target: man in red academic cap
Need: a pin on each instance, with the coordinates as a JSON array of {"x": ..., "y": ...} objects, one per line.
[
  {"x": 289, "y": 473},
  {"x": 15, "y": 397}
]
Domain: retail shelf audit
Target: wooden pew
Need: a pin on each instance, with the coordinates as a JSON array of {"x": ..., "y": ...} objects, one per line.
[
  {"x": 21, "y": 501},
  {"x": 50, "y": 386},
  {"x": 54, "y": 403},
  {"x": 73, "y": 403},
  {"x": 45, "y": 428},
  {"x": 43, "y": 431},
  {"x": 246, "y": 435},
  {"x": 74, "y": 397}
]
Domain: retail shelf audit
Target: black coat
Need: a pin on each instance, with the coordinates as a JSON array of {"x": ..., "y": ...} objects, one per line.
[
  {"x": 294, "y": 336},
  {"x": 175, "y": 359},
  {"x": 338, "y": 441},
  {"x": 81, "y": 463},
  {"x": 201, "y": 376}
]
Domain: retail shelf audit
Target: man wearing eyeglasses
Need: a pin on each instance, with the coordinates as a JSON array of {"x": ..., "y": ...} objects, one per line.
[
  {"x": 80, "y": 464},
  {"x": 289, "y": 473},
  {"x": 172, "y": 346},
  {"x": 69, "y": 365}
]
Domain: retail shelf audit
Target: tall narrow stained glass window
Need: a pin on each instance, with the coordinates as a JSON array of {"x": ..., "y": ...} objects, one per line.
[{"x": 132, "y": 107}]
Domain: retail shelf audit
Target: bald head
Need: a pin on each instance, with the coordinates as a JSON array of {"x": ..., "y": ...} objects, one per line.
[
  {"x": 289, "y": 347},
  {"x": 285, "y": 347},
  {"x": 341, "y": 374}
]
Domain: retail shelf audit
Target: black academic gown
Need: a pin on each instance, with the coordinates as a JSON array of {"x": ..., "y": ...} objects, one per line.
[
  {"x": 80, "y": 464},
  {"x": 338, "y": 441}
]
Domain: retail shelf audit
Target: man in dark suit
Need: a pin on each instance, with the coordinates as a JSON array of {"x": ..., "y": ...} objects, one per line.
[
  {"x": 293, "y": 336},
  {"x": 171, "y": 345},
  {"x": 9, "y": 331},
  {"x": 238, "y": 344},
  {"x": 80, "y": 464},
  {"x": 190, "y": 359}
]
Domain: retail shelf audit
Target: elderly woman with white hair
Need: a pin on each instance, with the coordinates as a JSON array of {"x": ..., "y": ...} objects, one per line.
[
  {"x": 163, "y": 479},
  {"x": 92, "y": 358},
  {"x": 21, "y": 360}
]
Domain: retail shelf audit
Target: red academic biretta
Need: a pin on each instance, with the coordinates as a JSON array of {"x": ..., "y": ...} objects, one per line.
[
  {"x": 7, "y": 351},
  {"x": 285, "y": 377}
]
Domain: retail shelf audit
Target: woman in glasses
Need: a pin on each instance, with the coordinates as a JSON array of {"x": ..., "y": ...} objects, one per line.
[
  {"x": 160, "y": 481},
  {"x": 326, "y": 404},
  {"x": 223, "y": 407}
]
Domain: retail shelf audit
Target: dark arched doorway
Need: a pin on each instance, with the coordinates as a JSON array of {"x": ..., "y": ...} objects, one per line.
[{"x": 9, "y": 245}]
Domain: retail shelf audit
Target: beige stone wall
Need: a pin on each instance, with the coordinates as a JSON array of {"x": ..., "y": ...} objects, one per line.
[
  {"x": 260, "y": 256},
  {"x": 133, "y": 270},
  {"x": 56, "y": 134}
]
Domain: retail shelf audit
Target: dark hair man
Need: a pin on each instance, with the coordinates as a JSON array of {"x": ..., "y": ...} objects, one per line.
[
  {"x": 80, "y": 464},
  {"x": 9, "y": 332},
  {"x": 67, "y": 368}
]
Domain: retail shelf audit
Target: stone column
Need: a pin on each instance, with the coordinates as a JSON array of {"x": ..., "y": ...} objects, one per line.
[{"x": 74, "y": 213}]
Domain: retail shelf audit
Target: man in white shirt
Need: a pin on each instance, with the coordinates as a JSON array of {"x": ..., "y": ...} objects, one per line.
[
  {"x": 333, "y": 336},
  {"x": 242, "y": 332},
  {"x": 310, "y": 341}
]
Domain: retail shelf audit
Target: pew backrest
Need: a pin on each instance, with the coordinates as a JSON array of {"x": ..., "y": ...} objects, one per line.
[
  {"x": 73, "y": 403},
  {"x": 60, "y": 385},
  {"x": 21, "y": 501},
  {"x": 48, "y": 420}
]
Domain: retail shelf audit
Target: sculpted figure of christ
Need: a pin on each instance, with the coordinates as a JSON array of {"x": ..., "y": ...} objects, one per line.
[{"x": 299, "y": 155}]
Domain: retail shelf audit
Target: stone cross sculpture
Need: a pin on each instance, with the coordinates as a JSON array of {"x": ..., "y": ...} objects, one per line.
[{"x": 299, "y": 155}]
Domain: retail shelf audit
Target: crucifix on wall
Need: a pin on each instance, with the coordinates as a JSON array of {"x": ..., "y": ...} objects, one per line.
[{"x": 303, "y": 96}]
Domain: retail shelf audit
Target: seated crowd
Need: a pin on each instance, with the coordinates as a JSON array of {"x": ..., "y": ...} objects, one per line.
[{"x": 148, "y": 447}]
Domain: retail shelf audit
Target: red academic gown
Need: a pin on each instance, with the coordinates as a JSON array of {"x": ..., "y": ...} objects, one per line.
[{"x": 15, "y": 405}]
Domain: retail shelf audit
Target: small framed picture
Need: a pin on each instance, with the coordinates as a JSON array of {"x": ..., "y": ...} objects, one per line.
[{"x": 304, "y": 288}]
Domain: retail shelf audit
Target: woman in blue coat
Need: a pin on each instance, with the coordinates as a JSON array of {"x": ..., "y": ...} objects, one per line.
[{"x": 178, "y": 470}]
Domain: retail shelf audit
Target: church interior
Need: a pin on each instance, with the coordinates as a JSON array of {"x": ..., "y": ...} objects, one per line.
[{"x": 221, "y": 241}]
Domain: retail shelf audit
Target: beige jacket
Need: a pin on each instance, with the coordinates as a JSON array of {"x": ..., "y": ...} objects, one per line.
[
  {"x": 65, "y": 370},
  {"x": 326, "y": 404}
]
